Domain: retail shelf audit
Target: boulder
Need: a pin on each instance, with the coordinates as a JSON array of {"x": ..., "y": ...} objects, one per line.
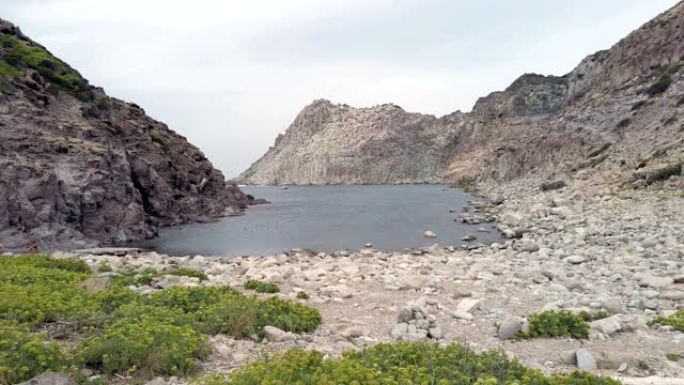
[
  {"x": 50, "y": 378},
  {"x": 585, "y": 360},
  {"x": 273, "y": 334}
]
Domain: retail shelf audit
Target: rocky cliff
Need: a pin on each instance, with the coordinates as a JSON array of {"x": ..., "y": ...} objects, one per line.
[
  {"x": 335, "y": 143},
  {"x": 78, "y": 167},
  {"x": 618, "y": 110}
]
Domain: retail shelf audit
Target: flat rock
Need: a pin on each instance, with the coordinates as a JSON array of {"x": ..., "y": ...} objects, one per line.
[
  {"x": 49, "y": 378},
  {"x": 273, "y": 334},
  {"x": 585, "y": 360}
]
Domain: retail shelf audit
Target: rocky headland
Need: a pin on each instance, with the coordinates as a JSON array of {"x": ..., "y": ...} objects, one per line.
[{"x": 79, "y": 168}]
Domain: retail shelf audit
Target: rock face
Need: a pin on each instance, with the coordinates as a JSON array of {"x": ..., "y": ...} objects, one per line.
[
  {"x": 335, "y": 143},
  {"x": 78, "y": 167},
  {"x": 618, "y": 110}
]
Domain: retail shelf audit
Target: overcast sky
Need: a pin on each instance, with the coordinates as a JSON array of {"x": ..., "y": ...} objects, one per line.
[{"x": 231, "y": 75}]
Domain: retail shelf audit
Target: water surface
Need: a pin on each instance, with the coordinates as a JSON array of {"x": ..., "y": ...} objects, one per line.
[{"x": 330, "y": 218}]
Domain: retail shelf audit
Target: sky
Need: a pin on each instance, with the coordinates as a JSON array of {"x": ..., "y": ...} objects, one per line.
[{"x": 231, "y": 75}]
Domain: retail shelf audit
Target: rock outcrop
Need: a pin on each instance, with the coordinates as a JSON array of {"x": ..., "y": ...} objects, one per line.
[
  {"x": 618, "y": 109},
  {"x": 78, "y": 167},
  {"x": 335, "y": 143}
]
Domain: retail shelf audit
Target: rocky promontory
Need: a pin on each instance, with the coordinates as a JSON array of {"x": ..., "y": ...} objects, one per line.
[{"x": 78, "y": 167}]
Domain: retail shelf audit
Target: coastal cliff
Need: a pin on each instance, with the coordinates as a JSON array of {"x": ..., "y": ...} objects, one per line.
[{"x": 78, "y": 167}]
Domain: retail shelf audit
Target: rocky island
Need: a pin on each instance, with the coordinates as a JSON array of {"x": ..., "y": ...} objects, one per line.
[{"x": 582, "y": 174}]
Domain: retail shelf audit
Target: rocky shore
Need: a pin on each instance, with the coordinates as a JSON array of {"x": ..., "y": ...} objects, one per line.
[{"x": 586, "y": 246}]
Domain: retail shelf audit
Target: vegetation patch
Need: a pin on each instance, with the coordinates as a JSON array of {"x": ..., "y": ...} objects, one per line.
[
  {"x": 623, "y": 123},
  {"x": 637, "y": 106},
  {"x": 303, "y": 295},
  {"x": 400, "y": 363},
  {"x": 676, "y": 320},
  {"x": 120, "y": 331},
  {"x": 557, "y": 323},
  {"x": 262, "y": 286},
  {"x": 188, "y": 272},
  {"x": 663, "y": 81},
  {"x": 19, "y": 53}
]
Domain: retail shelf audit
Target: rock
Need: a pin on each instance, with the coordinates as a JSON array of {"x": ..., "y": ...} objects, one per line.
[
  {"x": 400, "y": 330},
  {"x": 608, "y": 326},
  {"x": 354, "y": 332},
  {"x": 672, "y": 295},
  {"x": 498, "y": 200},
  {"x": 469, "y": 237},
  {"x": 467, "y": 304},
  {"x": 435, "y": 332},
  {"x": 429, "y": 234},
  {"x": 273, "y": 334},
  {"x": 655, "y": 282},
  {"x": 509, "y": 327},
  {"x": 678, "y": 278},
  {"x": 554, "y": 185},
  {"x": 50, "y": 378},
  {"x": 463, "y": 315},
  {"x": 575, "y": 259},
  {"x": 157, "y": 381},
  {"x": 585, "y": 361},
  {"x": 405, "y": 315}
]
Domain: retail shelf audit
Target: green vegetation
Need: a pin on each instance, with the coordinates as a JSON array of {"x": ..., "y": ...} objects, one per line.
[
  {"x": 676, "y": 320},
  {"x": 104, "y": 267},
  {"x": 20, "y": 53},
  {"x": 557, "y": 323},
  {"x": 188, "y": 272},
  {"x": 663, "y": 81},
  {"x": 24, "y": 354},
  {"x": 303, "y": 295},
  {"x": 674, "y": 356},
  {"x": 262, "y": 286},
  {"x": 400, "y": 363},
  {"x": 118, "y": 330},
  {"x": 600, "y": 314}
]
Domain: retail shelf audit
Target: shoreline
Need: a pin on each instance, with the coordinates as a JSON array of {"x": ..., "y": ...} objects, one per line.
[{"x": 587, "y": 246}]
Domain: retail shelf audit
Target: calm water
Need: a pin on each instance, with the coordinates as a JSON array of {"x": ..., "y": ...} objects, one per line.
[{"x": 329, "y": 218}]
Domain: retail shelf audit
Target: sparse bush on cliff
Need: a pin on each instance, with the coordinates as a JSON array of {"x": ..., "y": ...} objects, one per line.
[
  {"x": 557, "y": 323},
  {"x": 663, "y": 81},
  {"x": 262, "y": 286},
  {"x": 400, "y": 363}
]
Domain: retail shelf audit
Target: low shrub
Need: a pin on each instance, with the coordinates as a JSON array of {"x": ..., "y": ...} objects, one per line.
[
  {"x": 595, "y": 316},
  {"x": 303, "y": 295},
  {"x": 188, "y": 272},
  {"x": 262, "y": 286},
  {"x": 557, "y": 323},
  {"x": 145, "y": 347},
  {"x": 104, "y": 267},
  {"x": 623, "y": 123},
  {"x": 676, "y": 320},
  {"x": 24, "y": 355},
  {"x": 636, "y": 106},
  {"x": 400, "y": 363}
]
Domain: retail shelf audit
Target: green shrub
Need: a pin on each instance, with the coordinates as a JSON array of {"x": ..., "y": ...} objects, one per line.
[
  {"x": 673, "y": 356},
  {"x": 400, "y": 363},
  {"x": 19, "y": 53},
  {"x": 262, "y": 286},
  {"x": 676, "y": 320},
  {"x": 104, "y": 267},
  {"x": 24, "y": 355},
  {"x": 589, "y": 317},
  {"x": 187, "y": 272},
  {"x": 553, "y": 323},
  {"x": 303, "y": 295},
  {"x": 145, "y": 347}
]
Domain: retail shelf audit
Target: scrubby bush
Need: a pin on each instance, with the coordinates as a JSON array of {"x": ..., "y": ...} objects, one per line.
[
  {"x": 400, "y": 363},
  {"x": 303, "y": 295},
  {"x": 676, "y": 320},
  {"x": 122, "y": 331},
  {"x": 188, "y": 272},
  {"x": 262, "y": 286},
  {"x": 556, "y": 323},
  {"x": 623, "y": 123},
  {"x": 24, "y": 354},
  {"x": 147, "y": 346}
]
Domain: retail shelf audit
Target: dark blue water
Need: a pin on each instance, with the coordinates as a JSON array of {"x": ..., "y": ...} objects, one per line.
[{"x": 329, "y": 218}]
